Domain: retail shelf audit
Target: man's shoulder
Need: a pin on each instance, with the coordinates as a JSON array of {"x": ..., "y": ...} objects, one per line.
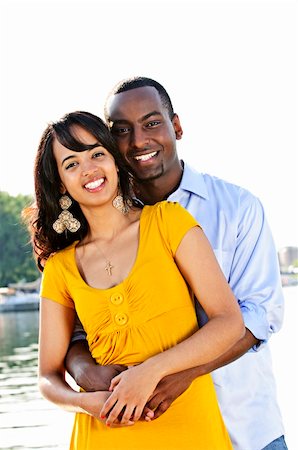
[
  {"x": 216, "y": 185},
  {"x": 216, "y": 181}
]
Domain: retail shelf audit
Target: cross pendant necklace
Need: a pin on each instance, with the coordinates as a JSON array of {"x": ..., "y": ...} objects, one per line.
[
  {"x": 108, "y": 268},
  {"x": 108, "y": 265}
]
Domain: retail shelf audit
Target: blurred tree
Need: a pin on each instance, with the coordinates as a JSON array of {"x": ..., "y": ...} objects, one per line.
[{"x": 16, "y": 258}]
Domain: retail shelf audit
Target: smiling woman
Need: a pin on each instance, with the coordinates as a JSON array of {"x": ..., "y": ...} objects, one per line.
[
  {"x": 71, "y": 143},
  {"x": 91, "y": 171}
]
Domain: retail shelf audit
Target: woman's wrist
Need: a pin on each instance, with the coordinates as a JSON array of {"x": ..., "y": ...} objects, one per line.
[
  {"x": 92, "y": 402},
  {"x": 155, "y": 367}
]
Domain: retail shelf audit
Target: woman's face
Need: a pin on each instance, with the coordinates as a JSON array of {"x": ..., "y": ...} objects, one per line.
[{"x": 89, "y": 176}]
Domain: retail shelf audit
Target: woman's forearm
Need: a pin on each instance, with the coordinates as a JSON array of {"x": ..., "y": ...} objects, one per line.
[
  {"x": 210, "y": 342},
  {"x": 55, "y": 389}
]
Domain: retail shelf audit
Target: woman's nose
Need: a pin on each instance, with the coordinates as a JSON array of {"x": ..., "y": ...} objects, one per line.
[{"x": 88, "y": 168}]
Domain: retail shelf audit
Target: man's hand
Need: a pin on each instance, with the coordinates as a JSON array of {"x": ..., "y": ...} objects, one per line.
[
  {"x": 98, "y": 378},
  {"x": 84, "y": 370},
  {"x": 170, "y": 388}
]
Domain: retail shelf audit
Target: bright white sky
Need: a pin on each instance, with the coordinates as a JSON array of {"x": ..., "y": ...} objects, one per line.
[{"x": 229, "y": 67}]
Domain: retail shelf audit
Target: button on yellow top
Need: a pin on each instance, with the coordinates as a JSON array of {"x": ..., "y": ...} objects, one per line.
[
  {"x": 121, "y": 319},
  {"x": 117, "y": 299}
]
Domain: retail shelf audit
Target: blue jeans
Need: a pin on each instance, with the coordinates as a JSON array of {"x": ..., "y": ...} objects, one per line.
[{"x": 277, "y": 444}]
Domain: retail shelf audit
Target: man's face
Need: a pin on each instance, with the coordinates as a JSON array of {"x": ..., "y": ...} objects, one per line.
[{"x": 145, "y": 134}]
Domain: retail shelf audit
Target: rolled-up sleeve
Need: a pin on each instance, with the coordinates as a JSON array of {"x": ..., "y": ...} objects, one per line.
[
  {"x": 79, "y": 333},
  {"x": 255, "y": 275}
]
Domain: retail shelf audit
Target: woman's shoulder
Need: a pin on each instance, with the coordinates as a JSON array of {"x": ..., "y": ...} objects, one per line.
[
  {"x": 163, "y": 205},
  {"x": 167, "y": 209},
  {"x": 170, "y": 221},
  {"x": 63, "y": 254},
  {"x": 169, "y": 216}
]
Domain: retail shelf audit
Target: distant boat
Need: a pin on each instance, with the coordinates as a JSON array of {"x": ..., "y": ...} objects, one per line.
[{"x": 12, "y": 300}]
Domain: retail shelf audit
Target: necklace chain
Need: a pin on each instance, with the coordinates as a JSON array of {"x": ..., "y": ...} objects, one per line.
[
  {"x": 108, "y": 263},
  {"x": 108, "y": 266}
]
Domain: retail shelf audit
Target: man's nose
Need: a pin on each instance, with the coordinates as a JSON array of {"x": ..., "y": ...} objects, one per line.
[{"x": 139, "y": 139}]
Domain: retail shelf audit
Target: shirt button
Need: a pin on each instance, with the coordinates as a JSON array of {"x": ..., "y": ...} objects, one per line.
[
  {"x": 117, "y": 299},
  {"x": 121, "y": 319}
]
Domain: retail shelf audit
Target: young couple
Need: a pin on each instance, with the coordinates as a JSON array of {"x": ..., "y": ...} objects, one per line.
[{"x": 133, "y": 275}]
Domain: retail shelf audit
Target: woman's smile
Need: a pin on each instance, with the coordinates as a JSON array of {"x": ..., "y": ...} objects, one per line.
[{"x": 95, "y": 185}]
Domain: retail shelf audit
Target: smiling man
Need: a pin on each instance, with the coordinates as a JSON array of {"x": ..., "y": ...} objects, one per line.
[
  {"x": 140, "y": 115},
  {"x": 145, "y": 136}
]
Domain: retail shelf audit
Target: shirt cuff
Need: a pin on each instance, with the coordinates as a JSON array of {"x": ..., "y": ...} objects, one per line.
[
  {"x": 256, "y": 322},
  {"x": 78, "y": 336}
]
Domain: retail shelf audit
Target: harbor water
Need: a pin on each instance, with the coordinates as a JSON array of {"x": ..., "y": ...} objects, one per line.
[{"x": 28, "y": 422}]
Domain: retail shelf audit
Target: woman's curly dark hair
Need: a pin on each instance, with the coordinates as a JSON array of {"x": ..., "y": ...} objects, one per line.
[{"x": 41, "y": 215}]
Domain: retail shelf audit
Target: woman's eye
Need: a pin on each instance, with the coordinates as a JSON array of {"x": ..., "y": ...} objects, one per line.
[
  {"x": 97, "y": 154},
  {"x": 70, "y": 165}
]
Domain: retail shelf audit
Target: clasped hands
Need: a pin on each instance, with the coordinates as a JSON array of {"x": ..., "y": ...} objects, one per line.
[
  {"x": 130, "y": 391},
  {"x": 113, "y": 386}
]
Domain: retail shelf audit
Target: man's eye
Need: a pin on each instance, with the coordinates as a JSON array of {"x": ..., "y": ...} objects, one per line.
[
  {"x": 153, "y": 123},
  {"x": 120, "y": 130}
]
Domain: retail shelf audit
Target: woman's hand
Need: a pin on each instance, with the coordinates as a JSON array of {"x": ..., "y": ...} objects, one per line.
[
  {"x": 92, "y": 403},
  {"x": 130, "y": 392}
]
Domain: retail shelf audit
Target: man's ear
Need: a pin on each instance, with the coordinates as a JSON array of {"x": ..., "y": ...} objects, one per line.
[{"x": 177, "y": 127}]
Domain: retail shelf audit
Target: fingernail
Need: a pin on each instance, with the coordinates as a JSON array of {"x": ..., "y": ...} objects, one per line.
[
  {"x": 108, "y": 424},
  {"x": 102, "y": 417}
]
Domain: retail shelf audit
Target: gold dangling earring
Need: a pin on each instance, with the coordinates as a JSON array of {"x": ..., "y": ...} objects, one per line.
[
  {"x": 118, "y": 201},
  {"x": 65, "y": 220},
  {"x": 119, "y": 204}
]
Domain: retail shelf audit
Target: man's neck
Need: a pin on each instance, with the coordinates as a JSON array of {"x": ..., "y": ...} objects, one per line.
[{"x": 161, "y": 188}]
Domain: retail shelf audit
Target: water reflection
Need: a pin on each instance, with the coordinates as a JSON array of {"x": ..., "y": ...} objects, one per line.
[
  {"x": 17, "y": 329},
  {"x": 18, "y": 356},
  {"x": 27, "y": 421}
]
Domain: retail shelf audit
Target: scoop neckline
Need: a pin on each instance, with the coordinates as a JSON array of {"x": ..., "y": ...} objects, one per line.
[{"x": 117, "y": 286}]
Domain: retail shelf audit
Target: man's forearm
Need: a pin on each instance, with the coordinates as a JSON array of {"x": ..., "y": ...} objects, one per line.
[
  {"x": 79, "y": 362},
  {"x": 86, "y": 372}
]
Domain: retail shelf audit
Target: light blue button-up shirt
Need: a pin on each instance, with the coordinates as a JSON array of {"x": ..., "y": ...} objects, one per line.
[{"x": 234, "y": 222}]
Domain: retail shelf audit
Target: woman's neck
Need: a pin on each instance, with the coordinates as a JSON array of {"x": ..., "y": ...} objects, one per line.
[{"x": 106, "y": 223}]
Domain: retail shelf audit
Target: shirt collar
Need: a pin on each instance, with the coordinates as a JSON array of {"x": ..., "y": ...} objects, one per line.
[{"x": 193, "y": 182}]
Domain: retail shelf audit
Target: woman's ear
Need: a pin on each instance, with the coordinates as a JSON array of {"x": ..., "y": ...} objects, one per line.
[{"x": 62, "y": 189}]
